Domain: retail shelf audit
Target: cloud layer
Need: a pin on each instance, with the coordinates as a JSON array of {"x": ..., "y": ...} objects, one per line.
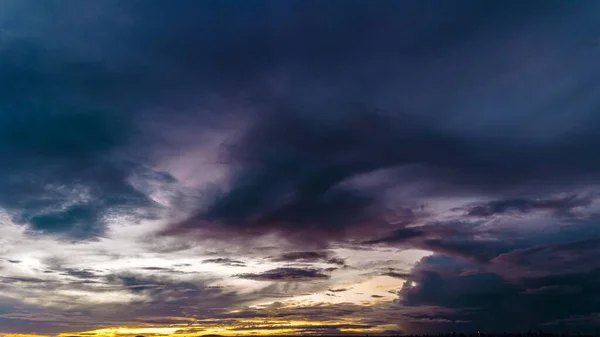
[{"x": 299, "y": 166}]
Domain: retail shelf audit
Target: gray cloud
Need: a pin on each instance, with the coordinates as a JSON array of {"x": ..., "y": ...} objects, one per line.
[
  {"x": 310, "y": 257},
  {"x": 157, "y": 268},
  {"x": 80, "y": 273},
  {"x": 301, "y": 257},
  {"x": 226, "y": 262},
  {"x": 162, "y": 299},
  {"x": 12, "y": 261},
  {"x": 397, "y": 274}
]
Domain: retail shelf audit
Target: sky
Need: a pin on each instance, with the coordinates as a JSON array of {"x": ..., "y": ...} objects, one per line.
[{"x": 187, "y": 168}]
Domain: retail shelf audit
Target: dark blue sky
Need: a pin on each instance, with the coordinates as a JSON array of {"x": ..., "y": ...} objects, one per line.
[{"x": 415, "y": 166}]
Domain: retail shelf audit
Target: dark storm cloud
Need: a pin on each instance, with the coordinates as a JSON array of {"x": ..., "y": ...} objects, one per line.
[
  {"x": 291, "y": 168},
  {"x": 549, "y": 259},
  {"x": 572, "y": 242},
  {"x": 456, "y": 98},
  {"x": 459, "y": 239},
  {"x": 310, "y": 163},
  {"x": 467, "y": 248},
  {"x": 559, "y": 206},
  {"x": 399, "y": 235},
  {"x": 63, "y": 126},
  {"x": 287, "y": 274},
  {"x": 554, "y": 289},
  {"x": 514, "y": 286},
  {"x": 58, "y": 175},
  {"x": 487, "y": 299}
]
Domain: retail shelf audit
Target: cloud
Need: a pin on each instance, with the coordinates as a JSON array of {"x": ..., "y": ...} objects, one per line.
[
  {"x": 164, "y": 295},
  {"x": 22, "y": 279},
  {"x": 295, "y": 167},
  {"x": 338, "y": 290},
  {"x": 555, "y": 289},
  {"x": 310, "y": 257},
  {"x": 136, "y": 284},
  {"x": 226, "y": 262},
  {"x": 157, "y": 269},
  {"x": 397, "y": 274},
  {"x": 549, "y": 259},
  {"x": 12, "y": 261},
  {"x": 399, "y": 235},
  {"x": 460, "y": 239},
  {"x": 80, "y": 273},
  {"x": 559, "y": 206},
  {"x": 488, "y": 299},
  {"x": 368, "y": 128},
  {"x": 289, "y": 184},
  {"x": 307, "y": 328},
  {"x": 492, "y": 242},
  {"x": 158, "y": 301},
  {"x": 60, "y": 174},
  {"x": 286, "y": 275},
  {"x": 301, "y": 257},
  {"x": 294, "y": 161},
  {"x": 63, "y": 143}
]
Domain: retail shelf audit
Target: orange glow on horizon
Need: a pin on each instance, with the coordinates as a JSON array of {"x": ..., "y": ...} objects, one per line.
[
  {"x": 21, "y": 335},
  {"x": 246, "y": 327}
]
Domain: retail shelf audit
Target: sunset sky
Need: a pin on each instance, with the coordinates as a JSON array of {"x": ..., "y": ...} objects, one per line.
[{"x": 184, "y": 168}]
